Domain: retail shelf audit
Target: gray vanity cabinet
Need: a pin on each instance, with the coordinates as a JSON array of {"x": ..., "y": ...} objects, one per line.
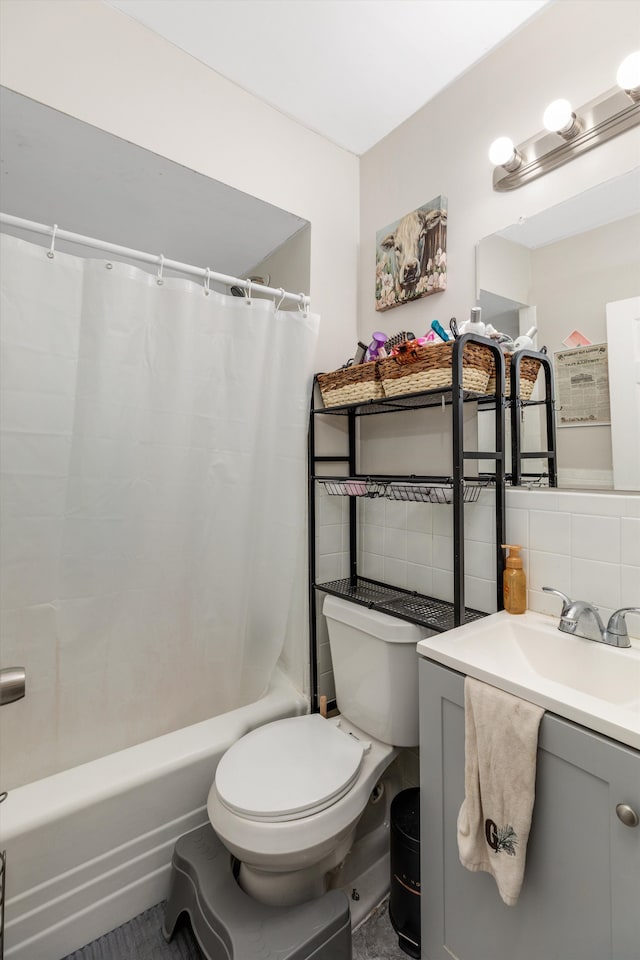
[{"x": 580, "y": 899}]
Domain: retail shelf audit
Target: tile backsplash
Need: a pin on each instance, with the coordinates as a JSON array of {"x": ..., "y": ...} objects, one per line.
[
  {"x": 584, "y": 544},
  {"x": 587, "y": 545}
]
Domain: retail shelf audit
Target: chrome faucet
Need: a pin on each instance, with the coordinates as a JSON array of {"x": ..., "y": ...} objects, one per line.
[{"x": 581, "y": 619}]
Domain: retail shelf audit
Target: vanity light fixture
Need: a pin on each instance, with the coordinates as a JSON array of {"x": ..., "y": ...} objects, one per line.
[
  {"x": 503, "y": 153},
  {"x": 569, "y": 133},
  {"x": 628, "y": 76},
  {"x": 560, "y": 118}
]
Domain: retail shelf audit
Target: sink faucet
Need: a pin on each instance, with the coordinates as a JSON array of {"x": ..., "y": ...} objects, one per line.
[{"x": 583, "y": 620}]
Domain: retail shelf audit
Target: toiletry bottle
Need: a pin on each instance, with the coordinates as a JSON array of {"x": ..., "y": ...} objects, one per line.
[
  {"x": 376, "y": 350},
  {"x": 525, "y": 341},
  {"x": 474, "y": 324},
  {"x": 514, "y": 582}
]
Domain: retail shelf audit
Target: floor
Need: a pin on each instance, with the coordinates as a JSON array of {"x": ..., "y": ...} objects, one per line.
[{"x": 141, "y": 939}]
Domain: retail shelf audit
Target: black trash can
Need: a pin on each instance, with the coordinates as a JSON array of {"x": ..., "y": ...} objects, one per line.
[{"x": 404, "y": 899}]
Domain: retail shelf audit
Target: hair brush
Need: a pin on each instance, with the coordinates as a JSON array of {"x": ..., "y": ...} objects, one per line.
[{"x": 397, "y": 339}]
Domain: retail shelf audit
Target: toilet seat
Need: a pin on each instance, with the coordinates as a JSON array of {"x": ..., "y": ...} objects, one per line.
[{"x": 288, "y": 769}]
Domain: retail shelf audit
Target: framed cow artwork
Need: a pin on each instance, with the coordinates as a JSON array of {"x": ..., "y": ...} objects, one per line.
[{"x": 411, "y": 256}]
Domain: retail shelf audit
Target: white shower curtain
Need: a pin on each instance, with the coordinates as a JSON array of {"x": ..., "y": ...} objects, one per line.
[{"x": 153, "y": 460}]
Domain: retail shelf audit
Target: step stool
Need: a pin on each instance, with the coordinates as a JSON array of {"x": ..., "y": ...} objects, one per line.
[{"x": 229, "y": 925}]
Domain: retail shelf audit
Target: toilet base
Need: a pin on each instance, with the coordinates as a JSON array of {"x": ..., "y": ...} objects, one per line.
[{"x": 229, "y": 925}]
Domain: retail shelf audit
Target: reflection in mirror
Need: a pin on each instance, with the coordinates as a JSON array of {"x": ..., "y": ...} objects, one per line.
[
  {"x": 57, "y": 169},
  {"x": 562, "y": 271}
]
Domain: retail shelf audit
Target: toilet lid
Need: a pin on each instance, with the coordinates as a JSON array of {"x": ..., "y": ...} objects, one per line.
[{"x": 288, "y": 769}]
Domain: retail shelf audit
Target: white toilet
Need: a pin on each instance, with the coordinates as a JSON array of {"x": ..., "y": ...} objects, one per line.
[{"x": 303, "y": 803}]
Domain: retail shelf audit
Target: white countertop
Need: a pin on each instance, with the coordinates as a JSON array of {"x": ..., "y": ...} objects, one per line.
[{"x": 591, "y": 683}]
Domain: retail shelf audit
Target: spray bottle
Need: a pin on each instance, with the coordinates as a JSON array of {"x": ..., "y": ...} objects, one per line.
[
  {"x": 514, "y": 582},
  {"x": 525, "y": 341}
]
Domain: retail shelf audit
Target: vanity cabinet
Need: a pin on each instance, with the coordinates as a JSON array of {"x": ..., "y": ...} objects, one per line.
[{"x": 580, "y": 899}]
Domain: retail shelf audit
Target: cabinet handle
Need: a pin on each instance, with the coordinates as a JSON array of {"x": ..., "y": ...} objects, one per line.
[{"x": 627, "y": 815}]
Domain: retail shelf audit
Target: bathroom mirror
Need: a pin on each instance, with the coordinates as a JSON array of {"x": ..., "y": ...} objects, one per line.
[
  {"x": 558, "y": 271},
  {"x": 57, "y": 169}
]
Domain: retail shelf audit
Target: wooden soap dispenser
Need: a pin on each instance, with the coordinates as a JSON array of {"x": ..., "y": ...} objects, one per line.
[{"x": 514, "y": 581}]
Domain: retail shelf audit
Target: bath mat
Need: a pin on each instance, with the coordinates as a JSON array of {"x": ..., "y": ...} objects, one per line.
[
  {"x": 141, "y": 939},
  {"x": 376, "y": 939}
]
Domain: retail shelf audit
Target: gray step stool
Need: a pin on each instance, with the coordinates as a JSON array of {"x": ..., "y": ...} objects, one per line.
[{"x": 229, "y": 925}]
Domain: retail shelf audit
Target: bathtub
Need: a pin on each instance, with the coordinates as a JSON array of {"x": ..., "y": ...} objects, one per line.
[{"x": 90, "y": 847}]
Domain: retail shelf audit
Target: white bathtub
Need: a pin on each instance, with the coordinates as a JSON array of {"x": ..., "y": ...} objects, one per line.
[{"x": 89, "y": 848}]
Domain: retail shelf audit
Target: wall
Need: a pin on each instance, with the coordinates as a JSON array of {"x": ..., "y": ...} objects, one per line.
[
  {"x": 288, "y": 266},
  {"x": 572, "y": 280},
  {"x": 92, "y": 62},
  {"x": 505, "y": 269},
  {"x": 585, "y": 544},
  {"x": 570, "y": 49},
  {"x": 88, "y": 60}
]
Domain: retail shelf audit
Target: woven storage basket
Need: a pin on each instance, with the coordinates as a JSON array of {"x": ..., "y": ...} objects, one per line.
[
  {"x": 529, "y": 369},
  {"x": 354, "y": 384},
  {"x": 430, "y": 368}
]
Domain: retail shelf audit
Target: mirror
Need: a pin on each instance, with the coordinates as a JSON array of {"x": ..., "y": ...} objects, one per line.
[
  {"x": 558, "y": 271},
  {"x": 57, "y": 169}
]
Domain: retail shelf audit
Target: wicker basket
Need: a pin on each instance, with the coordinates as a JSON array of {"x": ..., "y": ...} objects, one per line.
[
  {"x": 430, "y": 368},
  {"x": 355, "y": 384},
  {"x": 529, "y": 369}
]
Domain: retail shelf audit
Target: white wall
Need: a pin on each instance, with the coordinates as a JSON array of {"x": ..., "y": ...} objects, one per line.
[
  {"x": 288, "y": 266},
  {"x": 571, "y": 281},
  {"x": 571, "y": 49},
  {"x": 86, "y": 59},
  {"x": 505, "y": 269},
  {"x": 94, "y": 63}
]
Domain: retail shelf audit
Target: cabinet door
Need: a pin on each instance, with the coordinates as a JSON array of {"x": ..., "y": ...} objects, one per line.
[{"x": 580, "y": 898}]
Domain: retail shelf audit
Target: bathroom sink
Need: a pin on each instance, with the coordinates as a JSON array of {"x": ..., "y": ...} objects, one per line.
[{"x": 590, "y": 683}]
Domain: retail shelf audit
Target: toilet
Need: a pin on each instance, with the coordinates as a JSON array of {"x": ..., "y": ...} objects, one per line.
[{"x": 303, "y": 803}]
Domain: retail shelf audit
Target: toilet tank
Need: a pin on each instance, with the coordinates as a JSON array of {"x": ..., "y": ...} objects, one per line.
[{"x": 375, "y": 666}]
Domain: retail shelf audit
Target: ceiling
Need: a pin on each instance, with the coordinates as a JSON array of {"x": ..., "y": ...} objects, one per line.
[{"x": 351, "y": 70}]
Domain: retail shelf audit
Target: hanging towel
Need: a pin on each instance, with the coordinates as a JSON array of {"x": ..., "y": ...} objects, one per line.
[{"x": 501, "y": 742}]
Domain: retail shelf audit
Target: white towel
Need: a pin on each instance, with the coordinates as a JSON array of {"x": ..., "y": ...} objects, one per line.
[{"x": 501, "y": 742}]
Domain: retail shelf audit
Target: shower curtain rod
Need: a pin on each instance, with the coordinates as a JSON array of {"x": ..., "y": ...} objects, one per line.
[{"x": 55, "y": 233}]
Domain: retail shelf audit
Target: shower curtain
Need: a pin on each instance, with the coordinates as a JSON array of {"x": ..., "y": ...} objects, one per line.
[{"x": 153, "y": 500}]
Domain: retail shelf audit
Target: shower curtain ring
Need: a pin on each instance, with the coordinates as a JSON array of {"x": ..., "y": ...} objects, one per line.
[
  {"x": 303, "y": 305},
  {"x": 51, "y": 254},
  {"x": 207, "y": 277},
  {"x": 281, "y": 299},
  {"x": 159, "y": 279},
  {"x": 248, "y": 299}
]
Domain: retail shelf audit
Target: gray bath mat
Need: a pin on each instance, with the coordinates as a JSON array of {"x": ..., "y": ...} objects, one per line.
[
  {"x": 141, "y": 939},
  {"x": 376, "y": 939}
]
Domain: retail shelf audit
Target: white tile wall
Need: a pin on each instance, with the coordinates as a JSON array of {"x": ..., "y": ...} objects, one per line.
[
  {"x": 585, "y": 544},
  {"x": 332, "y": 548}
]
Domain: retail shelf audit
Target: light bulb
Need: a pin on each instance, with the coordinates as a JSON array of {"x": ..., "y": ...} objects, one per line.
[
  {"x": 557, "y": 116},
  {"x": 628, "y": 76},
  {"x": 501, "y": 151}
]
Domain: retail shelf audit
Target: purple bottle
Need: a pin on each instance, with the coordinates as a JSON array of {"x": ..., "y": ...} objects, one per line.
[{"x": 376, "y": 348}]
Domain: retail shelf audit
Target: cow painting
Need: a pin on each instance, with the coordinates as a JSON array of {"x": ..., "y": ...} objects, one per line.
[{"x": 411, "y": 256}]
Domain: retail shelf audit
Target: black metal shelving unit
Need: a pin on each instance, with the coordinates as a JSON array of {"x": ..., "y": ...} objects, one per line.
[
  {"x": 517, "y": 405},
  {"x": 456, "y": 489}
]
